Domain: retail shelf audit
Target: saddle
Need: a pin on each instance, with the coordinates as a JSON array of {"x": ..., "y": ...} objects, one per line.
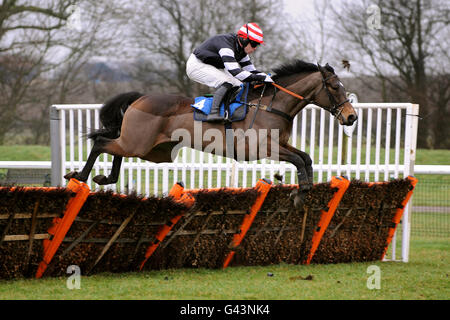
[{"x": 236, "y": 108}]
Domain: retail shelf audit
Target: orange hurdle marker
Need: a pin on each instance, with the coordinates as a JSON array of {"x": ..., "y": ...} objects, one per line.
[
  {"x": 62, "y": 225},
  {"x": 342, "y": 184},
  {"x": 263, "y": 186},
  {"x": 177, "y": 192},
  {"x": 398, "y": 214}
]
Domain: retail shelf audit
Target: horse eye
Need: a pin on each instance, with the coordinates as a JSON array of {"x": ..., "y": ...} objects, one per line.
[{"x": 335, "y": 86}]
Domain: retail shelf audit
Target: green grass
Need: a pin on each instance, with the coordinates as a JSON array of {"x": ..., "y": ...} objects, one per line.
[
  {"x": 424, "y": 277},
  {"x": 424, "y": 195},
  {"x": 426, "y": 156},
  {"x": 432, "y": 190},
  {"x": 430, "y": 224},
  {"x": 43, "y": 153},
  {"x": 25, "y": 153}
]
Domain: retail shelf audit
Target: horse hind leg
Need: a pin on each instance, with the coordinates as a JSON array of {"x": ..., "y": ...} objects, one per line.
[
  {"x": 110, "y": 146},
  {"x": 113, "y": 175},
  {"x": 101, "y": 145},
  {"x": 84, "y": 174}
]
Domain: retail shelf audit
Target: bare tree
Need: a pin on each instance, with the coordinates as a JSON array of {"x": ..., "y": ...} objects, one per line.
[
  {"x": 18, "y": 16},
  {"x": 165, "y": 42},
  {"x": 57, "y": 48},
  {"x": 311, "y": 36},
  {"x": 26, "y": 29},
  {"x": 406, "y": 51}
]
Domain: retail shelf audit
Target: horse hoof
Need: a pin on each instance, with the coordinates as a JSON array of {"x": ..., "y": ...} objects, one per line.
[
  {"x": 299, "y": 200},
  {"x": 293, "y": 193},
  {"x": 305, "y": 187},
  {"x": 71, "y": 175},
  {"x": 101, "y": 179}
]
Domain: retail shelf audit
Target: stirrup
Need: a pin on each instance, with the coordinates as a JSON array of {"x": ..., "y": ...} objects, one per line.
[{"x": 226, "y": 116}]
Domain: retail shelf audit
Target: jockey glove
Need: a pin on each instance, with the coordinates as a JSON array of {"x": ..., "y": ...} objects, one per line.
[
  {"x": 268, "y": 79},
  {"x": 263, "y": 78}
]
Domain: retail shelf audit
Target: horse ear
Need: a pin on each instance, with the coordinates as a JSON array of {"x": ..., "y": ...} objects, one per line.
[
  {"x": 321, "y": 69},
  {"x": 329, "y": 68}
]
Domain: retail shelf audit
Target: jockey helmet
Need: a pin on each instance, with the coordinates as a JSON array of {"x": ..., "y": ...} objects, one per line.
[{"x": 251, "y": 33}]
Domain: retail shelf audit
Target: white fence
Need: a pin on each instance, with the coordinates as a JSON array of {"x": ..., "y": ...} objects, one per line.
[{"x": 382, "y": 146}]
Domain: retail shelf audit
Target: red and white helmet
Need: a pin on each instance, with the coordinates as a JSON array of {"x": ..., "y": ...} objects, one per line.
[{"x": 251, "y": 31}]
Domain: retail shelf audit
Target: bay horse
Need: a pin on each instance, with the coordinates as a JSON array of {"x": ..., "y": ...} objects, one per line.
[{"x": 137, "y": 125}]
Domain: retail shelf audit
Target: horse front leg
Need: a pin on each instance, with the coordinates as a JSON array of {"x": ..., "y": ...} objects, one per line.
[
  {"x": 304, "y": 183},
  {"x": 308, "y": 162}
]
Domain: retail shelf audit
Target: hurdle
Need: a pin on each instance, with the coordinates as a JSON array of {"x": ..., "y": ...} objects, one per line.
[
  {"x": 263, "y": 187},
  {"x": 62, "y": 225},
  {"x": 340, "y": 221}
]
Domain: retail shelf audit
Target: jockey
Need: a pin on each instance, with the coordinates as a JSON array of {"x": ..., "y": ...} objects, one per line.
[{"x": 223, "y": 62}]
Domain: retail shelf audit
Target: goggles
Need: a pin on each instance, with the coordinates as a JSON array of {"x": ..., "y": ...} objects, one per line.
[{"x": 254, "y": 44}]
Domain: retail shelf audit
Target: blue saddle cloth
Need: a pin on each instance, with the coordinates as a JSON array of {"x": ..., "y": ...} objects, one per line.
[{"x": 237, "y": 108}]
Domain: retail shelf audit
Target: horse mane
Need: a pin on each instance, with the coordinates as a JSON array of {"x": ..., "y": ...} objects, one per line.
[
  {"x": 295, "y": 67},
  {"x": 287, "y": 69}
]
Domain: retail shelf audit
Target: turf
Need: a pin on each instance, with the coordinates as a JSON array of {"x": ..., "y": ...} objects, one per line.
[
  {"x": 425, "y": 277},
  {"x": 43, "y": 153}
]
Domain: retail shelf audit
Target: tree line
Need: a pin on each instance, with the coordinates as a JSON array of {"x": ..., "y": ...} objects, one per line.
[{"x": 85, "y": 51}]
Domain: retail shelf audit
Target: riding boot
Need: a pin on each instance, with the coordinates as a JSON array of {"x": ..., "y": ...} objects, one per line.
[
  {"x": 220, "y": 93},
  {"x": 234, "y": 93}
]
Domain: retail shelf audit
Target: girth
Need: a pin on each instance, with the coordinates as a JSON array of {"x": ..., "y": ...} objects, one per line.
[
  {"x": 269, "y": 107},
  {"x": 272, "y": 110}
]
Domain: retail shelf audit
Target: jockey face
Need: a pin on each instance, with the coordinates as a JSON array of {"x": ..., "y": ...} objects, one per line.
[{"x": 249, "y": 49}]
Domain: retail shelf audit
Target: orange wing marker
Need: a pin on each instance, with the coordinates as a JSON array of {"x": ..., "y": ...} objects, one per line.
[
  {"x": 342, "y": 184},
  {"x": 62, "y": 225},
  {"x": 398, "y": 215},
  {"x": 263, "y": 186},
  {"x": 177, "y": 193}
]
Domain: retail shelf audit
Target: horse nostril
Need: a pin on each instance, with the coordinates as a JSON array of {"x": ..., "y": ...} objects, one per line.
[{"x": 351, "y": 119}]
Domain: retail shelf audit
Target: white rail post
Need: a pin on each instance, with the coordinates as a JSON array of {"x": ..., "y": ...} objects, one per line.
[
  {"x": 348, "y": 131},
  {"x": 412, "y": 114},
  {"x": 55, "y": 144}
]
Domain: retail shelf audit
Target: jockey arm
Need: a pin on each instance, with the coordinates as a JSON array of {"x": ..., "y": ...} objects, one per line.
[
  {"x": 243, "y": 70},
  {"x": 247, "y": 65}
]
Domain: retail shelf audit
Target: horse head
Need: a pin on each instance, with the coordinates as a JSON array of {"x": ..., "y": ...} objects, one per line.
[{"x": 331, "y": 96}]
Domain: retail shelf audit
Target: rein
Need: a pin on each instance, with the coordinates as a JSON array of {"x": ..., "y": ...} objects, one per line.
[
  {"x": 289, "y": 91},
  {"x": 269, "y": 107},
  {"x": 336, "y": 110}
]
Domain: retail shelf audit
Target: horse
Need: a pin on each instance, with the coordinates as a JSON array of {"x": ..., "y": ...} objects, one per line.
[{"x": 138, "y": 125}]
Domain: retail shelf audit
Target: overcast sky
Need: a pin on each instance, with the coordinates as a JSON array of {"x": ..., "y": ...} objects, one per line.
[
  {"x": 304, "y": 15},
  {"x": 296, "y": 7}
]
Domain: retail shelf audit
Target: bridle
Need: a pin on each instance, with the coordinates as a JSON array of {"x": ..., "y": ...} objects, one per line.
[{"x": 335, "y": 110}]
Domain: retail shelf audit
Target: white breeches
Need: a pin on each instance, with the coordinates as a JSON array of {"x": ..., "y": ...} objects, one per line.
[{"x": 207, "y": 74}]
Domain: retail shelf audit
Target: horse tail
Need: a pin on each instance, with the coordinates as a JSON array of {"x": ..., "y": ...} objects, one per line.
[{"x": 111, "y": 115}]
